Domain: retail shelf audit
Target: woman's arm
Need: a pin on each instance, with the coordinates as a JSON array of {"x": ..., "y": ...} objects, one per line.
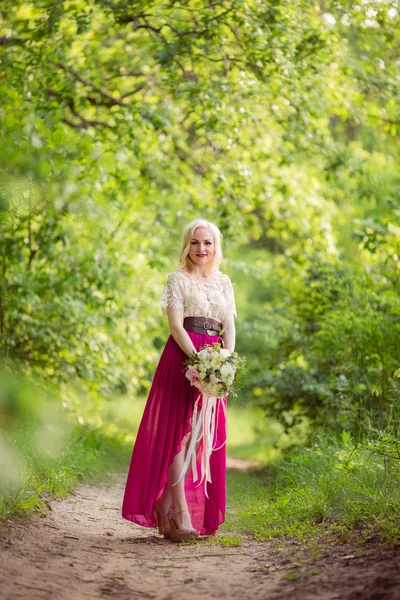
[
  {"x": 229, "y": 334},
  {"x": 178, "y": 332}
]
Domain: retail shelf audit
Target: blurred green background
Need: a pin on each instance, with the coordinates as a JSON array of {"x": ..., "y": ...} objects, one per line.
[{"x": 121, "y": 122}]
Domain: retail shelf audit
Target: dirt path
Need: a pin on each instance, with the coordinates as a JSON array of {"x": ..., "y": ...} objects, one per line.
[{"x": 83, "y": 549}]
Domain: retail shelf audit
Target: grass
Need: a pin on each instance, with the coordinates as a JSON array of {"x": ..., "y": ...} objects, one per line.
[
  {"x": 316, "y": 492},
  {"x": 252, "y": 436},
  {"x": 51, "y": 455},
  {"x": 326, "y": 487},
  {"x": 88, "y": 455}
]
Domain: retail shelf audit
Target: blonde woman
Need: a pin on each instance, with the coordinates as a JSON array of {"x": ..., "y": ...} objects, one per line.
[{"x": 161, "y": 488}]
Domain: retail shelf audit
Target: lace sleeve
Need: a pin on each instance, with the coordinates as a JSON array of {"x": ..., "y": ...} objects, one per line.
[
  {"x": 172, "y": 294},
  {"x": 230, "y": 298}
]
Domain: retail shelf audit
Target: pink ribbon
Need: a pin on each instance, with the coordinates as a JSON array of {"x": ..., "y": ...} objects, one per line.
[{"x": 204, "y": 425}]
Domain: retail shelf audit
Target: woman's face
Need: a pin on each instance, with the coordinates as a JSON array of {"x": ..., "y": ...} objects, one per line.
[{"x": 202, "y": 247}]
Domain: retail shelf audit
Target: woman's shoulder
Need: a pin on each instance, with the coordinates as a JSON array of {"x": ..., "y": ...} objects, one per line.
[
  {"x": 223, "y": 276},
  {"x": 175, "y": 277},
  {"x": 177, "y": 273}
]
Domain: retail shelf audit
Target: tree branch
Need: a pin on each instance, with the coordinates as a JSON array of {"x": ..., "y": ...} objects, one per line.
[
  {"x": 86, "y": 123},
  {"x": 112, "y": 101},
  {"x": 391, "y": 121},
  {"x": 10, "y": 41}
]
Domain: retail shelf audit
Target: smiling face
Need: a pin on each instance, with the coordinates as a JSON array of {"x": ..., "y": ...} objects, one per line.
[{"x": 202, "y": 246}]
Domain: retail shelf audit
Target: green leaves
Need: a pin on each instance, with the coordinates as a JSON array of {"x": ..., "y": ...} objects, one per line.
[{"x": 121, "y": 122}]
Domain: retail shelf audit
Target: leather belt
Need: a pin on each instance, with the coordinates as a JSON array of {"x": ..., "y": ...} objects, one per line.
[{"x": 202, "y": 325}]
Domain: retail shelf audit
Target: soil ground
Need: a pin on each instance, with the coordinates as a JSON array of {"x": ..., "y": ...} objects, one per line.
[{"x": 82, "y": 548}]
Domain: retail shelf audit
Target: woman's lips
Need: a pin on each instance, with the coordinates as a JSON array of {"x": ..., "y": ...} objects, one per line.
[{"x": 201, "y": 254}]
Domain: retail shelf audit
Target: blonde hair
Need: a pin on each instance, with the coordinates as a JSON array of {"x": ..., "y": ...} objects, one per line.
[{"x": 185, "y": 262}]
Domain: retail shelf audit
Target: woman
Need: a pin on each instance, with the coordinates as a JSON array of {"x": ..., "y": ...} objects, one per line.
[{"x": 161, "y": 489}]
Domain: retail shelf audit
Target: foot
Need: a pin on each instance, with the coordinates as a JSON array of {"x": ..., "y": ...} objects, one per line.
[
  {"x": 179, "y": 531},
  {"x": 162, "y": 518},
  {"x": 181, "y": 516}
]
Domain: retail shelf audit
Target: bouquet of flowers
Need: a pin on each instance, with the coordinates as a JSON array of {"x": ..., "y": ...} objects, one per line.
[{"x": 215, "y": 371}]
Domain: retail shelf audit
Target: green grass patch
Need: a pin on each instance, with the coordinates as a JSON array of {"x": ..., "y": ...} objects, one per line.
[
  {"x": 251, "y": 435},
  {"x": 52, "y": 439},
  {"x": 328, "y": 486},
  {"x": 88, "y": 455}
]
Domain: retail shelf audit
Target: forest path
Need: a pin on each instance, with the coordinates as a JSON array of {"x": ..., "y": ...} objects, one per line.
[{"x": 82, "y": 548}]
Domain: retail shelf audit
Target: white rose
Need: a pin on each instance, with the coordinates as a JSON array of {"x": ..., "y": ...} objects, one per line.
[
  {"x": 225, "y": 352},
  {"x": 227, "y": 370}
]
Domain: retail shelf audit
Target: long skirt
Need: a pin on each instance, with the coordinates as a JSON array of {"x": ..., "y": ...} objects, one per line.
[{"x": 166, "y": 420}]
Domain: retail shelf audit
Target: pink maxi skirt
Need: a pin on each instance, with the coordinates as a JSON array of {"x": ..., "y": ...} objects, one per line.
[{"x": 165, "y": 422}]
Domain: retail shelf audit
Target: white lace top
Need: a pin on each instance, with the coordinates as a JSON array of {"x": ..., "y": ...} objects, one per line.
[{"x": 213, "y": 298}]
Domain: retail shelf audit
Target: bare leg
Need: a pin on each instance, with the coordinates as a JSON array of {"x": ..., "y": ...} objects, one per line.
[
  {"x": 164, "y": 503},
  {"x": 174, "y": 496},
  {"x": 165, "y": 498},
  {"x": 177, "y": 492}
]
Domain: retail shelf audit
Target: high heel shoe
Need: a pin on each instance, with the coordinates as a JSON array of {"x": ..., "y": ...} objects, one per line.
[
  {"x": 162, "y": 529},
  {"x": 180, "y": 535}
]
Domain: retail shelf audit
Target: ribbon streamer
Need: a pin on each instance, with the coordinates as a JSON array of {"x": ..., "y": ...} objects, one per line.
[{"x": 204, "y": 425}]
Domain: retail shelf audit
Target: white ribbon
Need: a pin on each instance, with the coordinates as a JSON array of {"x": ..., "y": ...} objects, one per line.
[{"x": 204, "y": 425}]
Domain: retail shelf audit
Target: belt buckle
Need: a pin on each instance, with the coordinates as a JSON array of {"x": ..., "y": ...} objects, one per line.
[{"x": 207, "y": 326}]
